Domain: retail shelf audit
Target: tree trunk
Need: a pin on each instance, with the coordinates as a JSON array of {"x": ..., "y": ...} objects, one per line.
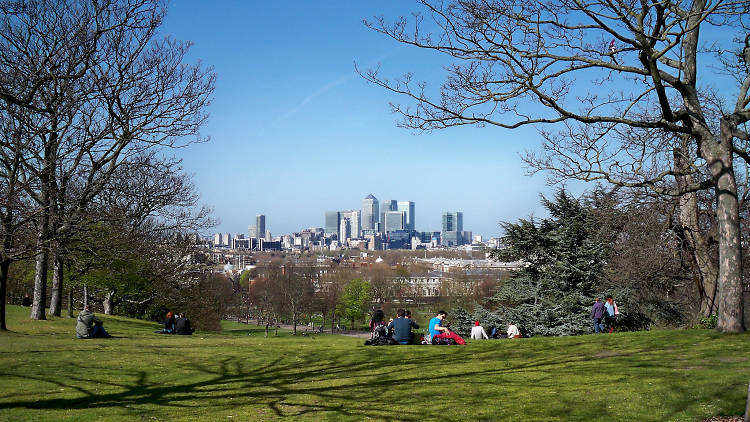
[
  {"x": 730, "y": 312},
  {"x": 704, "y": 268},
  {"x": 4, "y": 268},
  {"x": 694, "y": 240},
  {"x": 108, "y": 303},
  {"x": 55, "y": 306},
  {"x": 85, "y": 296},
  {"x": 40, "y": 280}
]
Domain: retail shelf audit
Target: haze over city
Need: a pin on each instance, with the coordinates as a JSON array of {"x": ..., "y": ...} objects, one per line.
[{"x": 296, "y": 132}]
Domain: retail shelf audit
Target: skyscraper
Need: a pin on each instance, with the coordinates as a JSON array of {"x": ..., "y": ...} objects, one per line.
[
  {"x": 408, "y": 208},
  {"x": 385, "y": 206},
  {"x": 345, "y": 230},
  {"x": 333, "y": 219},
  {"x": 260, "y": 225},
  {"x": 453, "y": 227},
  {"x": 354, "y": 222},
  {"x": 370, "y": 212},
  {"x": 394, "y": 220}
]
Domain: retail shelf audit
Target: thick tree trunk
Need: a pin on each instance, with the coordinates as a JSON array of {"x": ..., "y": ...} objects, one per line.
[
  {"x": 695, "y": 243},
  {"x": 729, "y": 300},
  {"x": 4, "y": 268},
  {"x": 55, "y": 305},
  {"x": 40, "y": 281}
]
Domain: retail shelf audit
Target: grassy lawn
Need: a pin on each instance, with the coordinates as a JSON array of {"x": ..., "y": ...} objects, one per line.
[{"x": 48, "y": 375}]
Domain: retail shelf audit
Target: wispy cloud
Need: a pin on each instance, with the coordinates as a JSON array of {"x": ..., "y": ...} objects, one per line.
[{"x": 322, "y": 90}]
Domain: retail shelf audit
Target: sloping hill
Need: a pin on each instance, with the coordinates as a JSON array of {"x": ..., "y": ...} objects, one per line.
[{"x": 48, "y": 375}]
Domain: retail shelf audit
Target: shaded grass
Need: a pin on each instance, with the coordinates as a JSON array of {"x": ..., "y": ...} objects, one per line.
[{"x": 46, "y": 374}]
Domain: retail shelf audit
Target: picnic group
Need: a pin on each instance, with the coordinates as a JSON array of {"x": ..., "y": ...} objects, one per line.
[{"x": 401, "y": 329}]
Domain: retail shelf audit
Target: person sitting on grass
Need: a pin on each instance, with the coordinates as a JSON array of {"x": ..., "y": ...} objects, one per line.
[
  {"x": 169, "y": 324},
  {"x": 182, "y": 326},
  {"x": 401, "y": 327},
  {"x": 436, "y": 324},
  {"x": 89, "y": 326},
  {"x": 378, "y": 319},
  {"x": 513, "y": 331},
  {"x": 477, "y": 332}
]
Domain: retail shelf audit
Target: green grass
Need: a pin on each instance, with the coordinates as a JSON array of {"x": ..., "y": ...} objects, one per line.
[{"x": 48, "y": 375}]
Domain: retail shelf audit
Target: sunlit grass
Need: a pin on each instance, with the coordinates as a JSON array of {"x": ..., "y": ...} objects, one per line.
[{"x": 47, "y": 374}]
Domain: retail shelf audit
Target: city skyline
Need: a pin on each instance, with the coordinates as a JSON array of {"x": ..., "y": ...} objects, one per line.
[{"x": 291, "y": 144}]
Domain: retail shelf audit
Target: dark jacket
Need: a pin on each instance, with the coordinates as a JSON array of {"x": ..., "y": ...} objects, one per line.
[
  {"x": 169, "y": 325},
  {"x": 182, "y": 326},
  {"x": 597, "y": 311},
  {"x": 402, "y": 329}
]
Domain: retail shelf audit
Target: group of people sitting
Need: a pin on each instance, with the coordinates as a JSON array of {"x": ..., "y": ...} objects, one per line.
[
  {"x": 399, "y": 330},
  {"x": 177, "y": 324}
]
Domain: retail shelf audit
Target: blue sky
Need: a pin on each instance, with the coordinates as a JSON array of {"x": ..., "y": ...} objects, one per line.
[{"x": 295, "y": 131}]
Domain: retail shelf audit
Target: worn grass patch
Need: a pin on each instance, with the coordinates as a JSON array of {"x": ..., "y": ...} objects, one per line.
[{"x": 671, "y": 375}]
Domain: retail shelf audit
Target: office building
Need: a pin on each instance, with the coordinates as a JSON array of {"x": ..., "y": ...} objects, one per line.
[
  {"x": 260, "y": 224},
  {"x": 258, "y": 230},
  {"x": 354, "y": 220},
  {"x": 370, "y": 212},
  {"x": 453, "y": 227},
  {"x": 345, "y": 230},
  {"x": 395, "y": 220},
  {"x": 333, "y": 220},
  {"x": 386, "y": 206},
  {"x": 407, "y": 207}
]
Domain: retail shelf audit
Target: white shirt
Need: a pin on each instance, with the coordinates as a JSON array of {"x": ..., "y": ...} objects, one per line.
[
  {"x": 477, "y": 332},
  {"x": 513, "y": 331}
]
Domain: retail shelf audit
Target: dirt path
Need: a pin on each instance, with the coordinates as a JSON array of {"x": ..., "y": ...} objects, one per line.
[{"x": 301, "y": 329}]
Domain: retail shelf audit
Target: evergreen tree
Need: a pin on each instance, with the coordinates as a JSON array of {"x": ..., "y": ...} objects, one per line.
[{"x": 564, "y": 256}]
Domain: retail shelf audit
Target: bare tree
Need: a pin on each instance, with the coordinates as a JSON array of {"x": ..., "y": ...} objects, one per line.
[
  {"x": 16, "y": 208},
  {"x": 618, "y": 82},
  {"x": 110, "y": 90}
]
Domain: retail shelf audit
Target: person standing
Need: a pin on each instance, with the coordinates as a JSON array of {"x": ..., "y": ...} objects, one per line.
[
  {"x": 597, "y": 314},
  {"x": 477, "y": 332},
  {"x": 611, "y": 313}
]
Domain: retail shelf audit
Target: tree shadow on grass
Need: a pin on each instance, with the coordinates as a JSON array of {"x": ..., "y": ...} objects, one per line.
[{"x": 354, "y": 383}]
